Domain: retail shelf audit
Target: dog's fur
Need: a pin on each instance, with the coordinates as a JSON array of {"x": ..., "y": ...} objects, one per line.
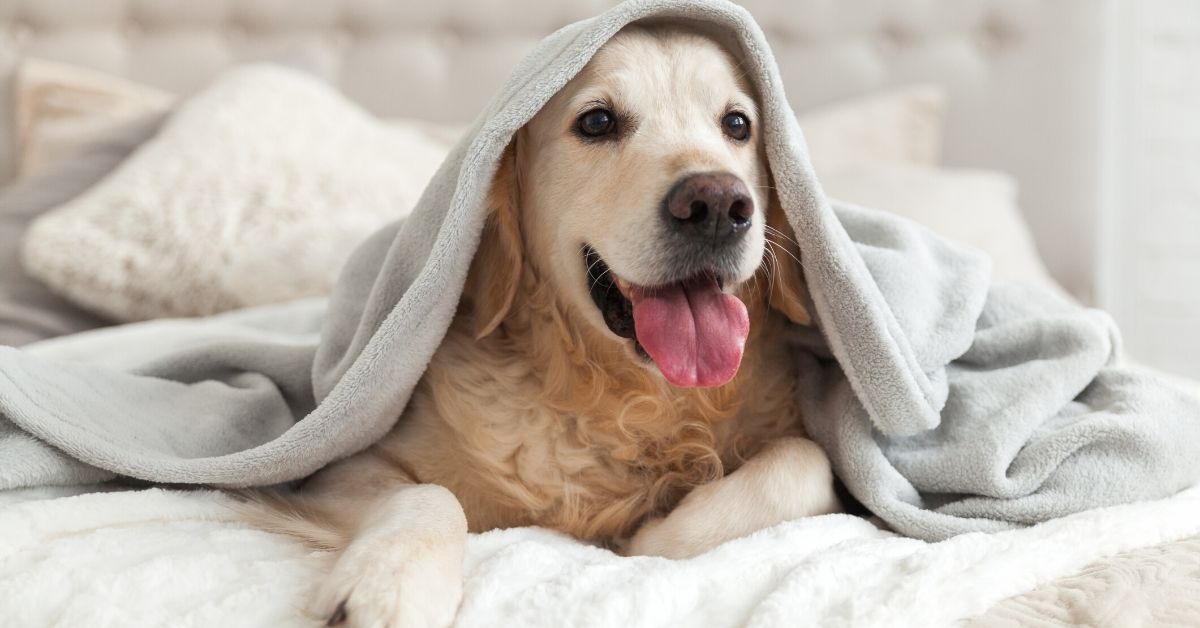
[{"x": 532, "y": 412}]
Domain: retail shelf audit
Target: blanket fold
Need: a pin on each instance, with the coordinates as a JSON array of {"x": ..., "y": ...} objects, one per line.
[{"x": 947, "y": 405}]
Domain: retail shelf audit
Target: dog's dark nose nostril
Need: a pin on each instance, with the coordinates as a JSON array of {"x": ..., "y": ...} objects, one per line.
[
  {"x": 740, "y": 211},
  {"x": 712, "y": 206}
]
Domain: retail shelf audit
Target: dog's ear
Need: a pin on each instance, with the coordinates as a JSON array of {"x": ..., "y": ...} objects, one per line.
[
  {"x": 789, "y": 292},
  {"x": 497, "y": 267}
]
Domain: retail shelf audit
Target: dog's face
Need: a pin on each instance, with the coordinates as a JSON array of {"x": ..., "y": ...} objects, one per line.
[{"x": 641, "y": 191}]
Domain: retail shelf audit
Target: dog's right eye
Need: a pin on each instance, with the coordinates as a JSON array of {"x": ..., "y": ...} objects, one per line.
[{"x": 597, "y": 123}]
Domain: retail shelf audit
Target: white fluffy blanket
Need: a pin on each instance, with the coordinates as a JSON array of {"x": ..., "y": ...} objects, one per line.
[{"x": 172, "y": 558}]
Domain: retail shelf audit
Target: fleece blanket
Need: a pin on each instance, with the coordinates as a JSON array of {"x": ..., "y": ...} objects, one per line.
[
  {"x": 179, "y": 558},
  {"x": 947, "y": 405}
]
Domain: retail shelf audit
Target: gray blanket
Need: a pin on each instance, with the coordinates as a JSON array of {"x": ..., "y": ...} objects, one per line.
[{"x": 947, "y": 406}]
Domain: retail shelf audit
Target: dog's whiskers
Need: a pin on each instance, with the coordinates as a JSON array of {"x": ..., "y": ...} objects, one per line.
[
  {"x": 781, "y": 246},
  {"x": 781, "y": 234},
  {"x": 593, "y": 265},
  {"x": 776, "y": 245},
  {"x": 600, "y": 277},
  {"x": 772, "y": 268}
]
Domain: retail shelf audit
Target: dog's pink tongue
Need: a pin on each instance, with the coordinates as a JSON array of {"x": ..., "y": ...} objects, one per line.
[{"x": 693, "y": 331}]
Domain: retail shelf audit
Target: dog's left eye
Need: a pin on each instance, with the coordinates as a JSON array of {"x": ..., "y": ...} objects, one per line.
[
  {"x": 736, "y": 125},
  {"x": 597, "y": 123}
]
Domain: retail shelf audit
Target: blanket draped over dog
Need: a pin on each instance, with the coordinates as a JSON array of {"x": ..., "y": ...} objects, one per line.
[{"x": 948, "y": 405}]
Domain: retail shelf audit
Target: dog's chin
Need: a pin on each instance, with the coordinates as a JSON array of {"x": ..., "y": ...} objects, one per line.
[{"x": 701, "y": 352}]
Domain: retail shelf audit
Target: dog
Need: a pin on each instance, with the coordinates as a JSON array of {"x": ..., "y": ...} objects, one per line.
[{"x": 614, "y": 369}]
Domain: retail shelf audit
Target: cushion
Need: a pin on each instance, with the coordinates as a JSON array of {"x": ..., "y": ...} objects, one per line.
[
  {"x": 59, "y": 109},
  {"x": 900, "y": 126},
  {"x": 76, "y": 126},
  {"x": 977, "y": 207},
  {"x": 29, "y": 311},
  {"x": 254, "y": 191}
]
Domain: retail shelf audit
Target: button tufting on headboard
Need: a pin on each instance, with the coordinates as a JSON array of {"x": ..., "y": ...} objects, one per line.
[
  {"x": 21, "y": 33},
  {"x": 893, "y": 36}
]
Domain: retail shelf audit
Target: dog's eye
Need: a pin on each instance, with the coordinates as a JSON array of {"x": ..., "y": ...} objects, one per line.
[
  {"x": 736, "y": 126},
  {"x": 597, "y": 123}
]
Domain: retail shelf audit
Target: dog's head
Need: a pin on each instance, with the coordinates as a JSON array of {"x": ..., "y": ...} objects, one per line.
[{"x": 641, "y": 191}]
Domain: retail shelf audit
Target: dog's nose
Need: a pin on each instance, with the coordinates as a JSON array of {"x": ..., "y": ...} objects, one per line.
[{"x": 713, "y": 206}]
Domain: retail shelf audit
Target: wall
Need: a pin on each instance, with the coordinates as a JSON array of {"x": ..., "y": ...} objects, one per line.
[{"x": 1149, "y": 275}]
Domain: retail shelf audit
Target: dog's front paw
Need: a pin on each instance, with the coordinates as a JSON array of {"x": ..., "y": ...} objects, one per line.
[
  {"x": 789, "y": 479},
  {"x": 666, "y": 537},
  {"x": 391, "y": 584}
]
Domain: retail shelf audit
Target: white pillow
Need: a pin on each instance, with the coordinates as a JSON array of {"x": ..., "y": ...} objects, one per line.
[
  {"x": 899, "y": 126},
  {"x": 254, "y": 191},
  {"x": 977, "y": 207},
  {"x": 221, "y": 210}
]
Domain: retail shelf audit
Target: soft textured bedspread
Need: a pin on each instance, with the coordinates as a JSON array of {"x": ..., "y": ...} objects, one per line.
[
  {"x": 171, "y": 558},
  {"x": 947, "y": 405},
  {"x": 1157, "y": 585}
]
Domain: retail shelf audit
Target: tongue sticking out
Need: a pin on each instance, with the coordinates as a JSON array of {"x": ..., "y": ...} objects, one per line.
[{"x": 694, "y": 332}]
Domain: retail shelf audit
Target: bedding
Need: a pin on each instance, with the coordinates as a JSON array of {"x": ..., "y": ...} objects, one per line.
[
  {"x": 228, "y": 206},
  {"x": 975, "y": 207},
  {"x": 1157, "y": 585},
  {"x": 896, "y": 127},
  {"x": 946, "y": 406},
  {"x": 29, "y": 310},
  {"x": 59, "y": 109},
  {"x": 834, "y": 569},
  {"x": 159, "y": 557},
  {"x": 74, "y": 127}
]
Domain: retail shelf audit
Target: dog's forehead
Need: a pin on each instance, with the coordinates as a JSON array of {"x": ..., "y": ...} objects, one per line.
[{"x": 640, "y": 65}]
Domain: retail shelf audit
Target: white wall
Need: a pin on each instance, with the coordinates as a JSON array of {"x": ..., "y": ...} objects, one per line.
[{"x": 1149, "y": 275}]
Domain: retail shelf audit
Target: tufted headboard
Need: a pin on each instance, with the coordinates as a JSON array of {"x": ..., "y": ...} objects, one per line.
[{"x": 1024, "y": 77}]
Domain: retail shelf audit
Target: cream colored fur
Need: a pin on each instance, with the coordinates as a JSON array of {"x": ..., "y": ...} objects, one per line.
[{"x": 532, "y": 412}]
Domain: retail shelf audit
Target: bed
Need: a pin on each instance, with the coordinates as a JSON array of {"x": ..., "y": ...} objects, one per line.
[{"x": 176, "y": 557}]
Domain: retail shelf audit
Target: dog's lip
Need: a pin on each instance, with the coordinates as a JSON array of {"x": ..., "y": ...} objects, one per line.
[
  {"x": 622, "y": 285},
  {"x": 601, "y": 274},
  {"x": 617, "y": 309},
  {"x": 627, "y": 288},
  {"x": 614, "y": 305}
]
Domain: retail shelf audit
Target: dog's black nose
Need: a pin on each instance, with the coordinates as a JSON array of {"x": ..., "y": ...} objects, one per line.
[{"x": 712, "y": 206}]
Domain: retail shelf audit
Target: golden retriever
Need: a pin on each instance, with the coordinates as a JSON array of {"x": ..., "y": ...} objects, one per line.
[{"x": 615, "y": 370}]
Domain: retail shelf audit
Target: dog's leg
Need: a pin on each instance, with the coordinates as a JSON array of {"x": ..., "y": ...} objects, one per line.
[
  {"x": 789, "y": 479},
  {"x": 403, "y": 564}
]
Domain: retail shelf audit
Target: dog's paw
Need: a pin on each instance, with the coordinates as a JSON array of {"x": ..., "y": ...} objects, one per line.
[
  {"x": 669, "y": 538},
  {"x": 392, "y": 584},
  {"x": 790, "y": 479}
]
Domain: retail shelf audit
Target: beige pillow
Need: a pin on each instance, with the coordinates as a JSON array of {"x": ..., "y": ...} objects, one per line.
[
  {"x": 59, "y": 109},
  {"x": 254, "y": 191},
  {"x": 899, "y": 126},
  {"x": 977, "y": 207}
]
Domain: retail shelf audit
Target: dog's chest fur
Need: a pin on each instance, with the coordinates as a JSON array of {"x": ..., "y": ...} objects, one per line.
[{"x": 560, "y": 429}]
